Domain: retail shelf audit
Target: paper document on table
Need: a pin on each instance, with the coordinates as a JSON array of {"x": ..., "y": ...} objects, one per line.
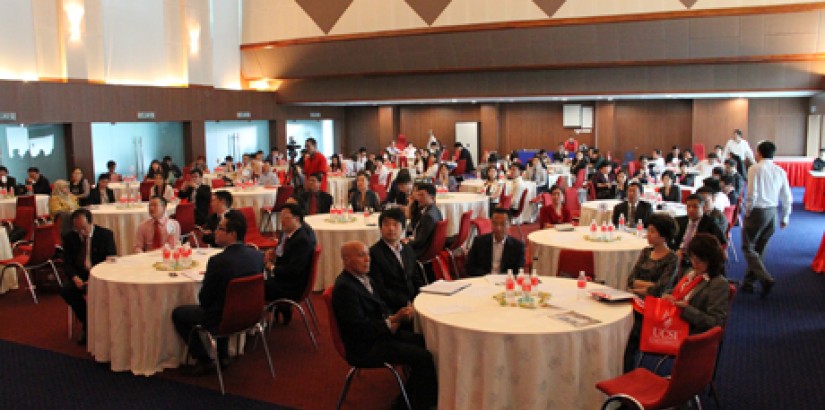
[
  {"x": 495, "y": 280},
  {"x": 444, "y": 310},
  {"x": 611, "y": 295},
  {"x": 441, "y": 287},
  {"x": 575, "y": 319},
  {"x": 195, "y": 276}
]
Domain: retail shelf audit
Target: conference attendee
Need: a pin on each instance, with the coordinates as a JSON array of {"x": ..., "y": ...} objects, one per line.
[
  {"x": 515, "y": 185},
  {"x": 361, "y": 160},
  {"x": 571, "y": 145},
  {"x": 111, "y": 167},
  {"x": 198, "y": 193},
  {"x": 289, "y": 265},
  {"x": 161, "y": 188},
  {"x": 313, "y": 199},
  {"x": 62, "y": 203},
  {"x": 578, "y": 163},
  {"x": 200, "y": 163},
  {"x": 696, "y": 221},
  {"x": 228, "y": 164},
  {"x": 443, "y": 179},
  {"x": 705, "y": 167},
  {"x": 268, "y": 177},
  {"x": 767, "y": 187},
  {"x": 601, "y": 181},
  {"x": 634, "y": 209},
  {"x": 819, "y": 163},
  {"x": 155, "y": 167},
  {"x": 432, "y": 167},
  {"x": 429, "y": 214},
  {"x": 172, "y": 170},
  {"x": 739, "y": 146},
  {"x": 556, "y": 212},
  {"x": 703, "y": 293},
  {"x": 335, "y": 164},
  {"x": 102, "y": 194},
  {"x": 720, "y": 200},
  {"x": 670, "y": 192},
  {"x": 689, "y": 157},
  {"x": 492, "y": 186},
  {"x": 236, "y": 260},
  {"x": 496, "y": 252},
  {"x": 719, "y": 151},
  {"x": 84, "y": 245},
  {"x": 363, "y": 197},
  {"x": 657, "y": 163},
  {"x": 643, "y": 175},
  {"x": 220, "y": 204},
  {"x": 400, "y": 188},
  {"x": 7, "y": 182},
  {"x": 39, "y": 183},
  {"x": 685, "y": 178},
  {"x": 158, "y": 230},
  {"x": 620, "y": 185},
  {"x": 737, "y": 179},
  {"x": 674, "y": 156},
  {"x": 537, "y": 172},
  {"x": 372, "y": 333},
  {"x": 729, "y": 189},
  {"x": 464, "y": 153},
  {"x": 315, "y": 163},
  {"x": 561, "y": 154},
  {"x": 394, "y": 271},
  {"x": 79, "y": 186},
  {"x": 710, "y": 208}
]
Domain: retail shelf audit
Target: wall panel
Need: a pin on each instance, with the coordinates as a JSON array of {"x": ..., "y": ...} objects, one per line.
[
  {"x": 781, "y": 120},
  {"x": 536, "y": 125},
  {"x": 417, "y": 121},
  {"x": 362, "y": 129},
  {"x": 715, "y": 120},
  {"x": 642, "y": 126}
]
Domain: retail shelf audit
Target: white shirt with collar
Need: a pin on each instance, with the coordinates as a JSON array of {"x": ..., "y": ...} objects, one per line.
[
  {"x": 767, "y": 185},
  {"x": 739, "y": 148},
  {"x": 498, "y": 252}
]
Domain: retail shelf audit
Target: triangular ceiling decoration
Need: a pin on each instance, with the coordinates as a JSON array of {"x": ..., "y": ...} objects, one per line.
[
  {"x": 549, "y": 7},
  {"x": 429, "y": 10},
  {"x": 325, "y": 13},
  {"x": 689, "y": 3}
]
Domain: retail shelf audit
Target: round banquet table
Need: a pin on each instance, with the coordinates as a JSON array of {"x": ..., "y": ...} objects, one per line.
[
  {"x": 814, "y": 199},
  {"x": 339, "y": 187},
  {"x": 453, "y": 204},
  {"x": 613, "y": 261},
  {"x": 590, "y": 211},
  {"x": 476, "y": 185},
  {"x": 256, "y": 197},
  {"x": 123, "y": 222},
  {"x": 332, "y": 235},
  {"x": 493, "y": 357},
  {"x": 8, "y": 206},
  {"x": 9, "y": 279},
  {"x": 130, "y": 312}
]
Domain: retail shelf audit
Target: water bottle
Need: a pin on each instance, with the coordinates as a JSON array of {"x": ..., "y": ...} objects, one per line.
[
  {"x": 510, "y": 288},
  {"x": 603, "y": 235},
  {"x": 610, "y": 229},
  {"x": 534, "y": 283},
  {"x": 621, "y": 222},
  {"x": 640, "y": 228},
  {"x": 593, "y": 229},
  {"x": 520, "y": 278},
  {"x": 349, "y": 213},
  {"x": 581, "y": 284}
]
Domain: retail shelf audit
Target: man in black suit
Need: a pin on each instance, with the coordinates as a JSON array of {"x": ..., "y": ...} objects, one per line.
[
  {"x": 39, "y": 183},
  {"x": 633, "y": 209},
  {"x": 313, "y": 199},
  {"x": 172, "y": 170},
  {"x": 221, "y": 204},
  {"x": 372, "y": 334},
  {"x": 425, "y": 226},
  {"x": 601, "y": 181},
  {"x": 235, "y": 261},
  {"x": 393, "y": 268},
  {"x": 198, "y": 193},
  {"x": 6, "y": 182},
  {"x": 102, "y": 194},
  {"x": 83, "y": 247},
  {"x": 695, "y": 222},
  {"x": 289, "y": 266},
  {"x": 496, "y": 252},
  {"x": 464, "y": 153}
]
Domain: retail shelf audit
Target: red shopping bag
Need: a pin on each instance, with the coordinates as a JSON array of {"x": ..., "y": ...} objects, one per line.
[{"x": 663, "y": 328}]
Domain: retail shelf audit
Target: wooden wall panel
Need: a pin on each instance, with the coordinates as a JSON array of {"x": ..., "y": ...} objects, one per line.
[
  {"x": 781, "y": 120},
  {"x": 490, "y": 127},
  {"x": 417, "y": 121},
  {"x": 715, "y": 120},
  {"x": 535, "y": 125},
  {"x": 362, "y": 129},
  {"x": 642, "y": 126},
  {"x": 606, "y": 128}
]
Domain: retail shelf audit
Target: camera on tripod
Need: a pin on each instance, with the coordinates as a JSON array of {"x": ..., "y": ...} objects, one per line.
[{"x": 292, "y": 148}]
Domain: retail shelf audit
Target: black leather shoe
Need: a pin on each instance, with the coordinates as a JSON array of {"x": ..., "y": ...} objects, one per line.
[
  {"x": 81, "y": 338},
  {"x": 201, "y": 368},
  {"x": 226, "y": 362},
  {"x": 283, "y": 314},
  {"x": 747, "y": 288},
  {"x": 767, "y": 286}
]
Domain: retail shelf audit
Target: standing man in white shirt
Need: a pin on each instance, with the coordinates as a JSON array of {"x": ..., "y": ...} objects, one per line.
[
  {"x": 767, "y": 186},
  {"x": 739, "y": 146}
]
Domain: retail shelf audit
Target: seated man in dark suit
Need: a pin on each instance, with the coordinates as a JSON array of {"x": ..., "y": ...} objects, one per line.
[
  {"x": 39, "y": 183},
  {"x": 393, "y": 268},
  {"x": 601, "y": 181},
  {"x": 83, "y": 247},
  {"x": 496, "y": 252},
  {"x": 464, "y": 153},
  {"x": 197, "y": 193},
  {"x": 313, "y": 199},
  {"x": 363, "y": 197},
  {"x": 235, "y": 261},
  {"x": 371, "y": 332},
  {"x": 102, "y": 194},
  {"x": 290, "y": 264},
  {"x": 430, "y": 214},
  {"x": 634, "y": 209},
  {"x": 696, "y": 221},
  {"x": 220, "y": 204},
  {"x": 6, "y": 182}
]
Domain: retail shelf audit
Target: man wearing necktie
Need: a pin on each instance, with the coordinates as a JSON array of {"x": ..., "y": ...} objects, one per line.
[
  {"x": 696, "y": 221},
  {"x": 634, "y": 208},
  {"x": 84, "y": 247},
  {"x": 314, "y": 200},
  {"x": 153, "y": 233}
]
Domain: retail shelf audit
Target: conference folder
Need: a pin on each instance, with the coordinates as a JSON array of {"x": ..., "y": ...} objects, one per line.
[{"x": 442, "y": 287}]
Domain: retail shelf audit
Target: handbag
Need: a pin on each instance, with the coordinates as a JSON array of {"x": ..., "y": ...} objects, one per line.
[{"x": 663, "y": 329}]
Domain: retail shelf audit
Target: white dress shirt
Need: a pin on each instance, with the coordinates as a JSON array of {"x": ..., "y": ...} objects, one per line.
[
  {"x": 498, "y": 251},
  {"x": 721, "y": 201},
  {"x": 515, "y": 187},
  {"x": 739, "y": 148},
  {"x": 767, "y": 185}
]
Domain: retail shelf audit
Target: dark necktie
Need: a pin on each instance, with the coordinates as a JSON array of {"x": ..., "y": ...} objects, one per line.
[{"x": 313, "y": 203}]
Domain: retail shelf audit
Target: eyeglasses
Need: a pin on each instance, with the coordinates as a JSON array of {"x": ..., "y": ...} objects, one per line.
[{"x": 221, "y": 228}]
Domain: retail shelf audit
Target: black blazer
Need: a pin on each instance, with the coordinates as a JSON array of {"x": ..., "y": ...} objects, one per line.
[
  {"x": 211, "y": 223},
  {"x": 324, "y": 201},
  {"x": 466, "y": 156},
  {"x": 601, "y": 192},
  {"x": 293, "y": 268},
  {"x": 10, "y": 183},
  {"x": 643, "y": 211},
  {"x": 396, "y": 285},
  {"x": 396, "y": 196},
  {"x": 372, "y": 201},
  {"x": 686, "y": 179},
  {"x": 103, "y": 245},
  {"x": 480, "y": 258},
  {"x": 360, "y": 316},
  {"x": 706, "y": 225},
  {"x": 423, "y": 232},
  {"x": 236, "y": 261},
  {"x": 675, "y": 194},
  {"x": 41, "y": 186},
  {"x": 201, "y": 198},
  {"x": 96, "y": 199}
]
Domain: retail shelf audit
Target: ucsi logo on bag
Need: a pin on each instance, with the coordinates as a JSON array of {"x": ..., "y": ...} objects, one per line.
[{"x": 666, "y": 335}]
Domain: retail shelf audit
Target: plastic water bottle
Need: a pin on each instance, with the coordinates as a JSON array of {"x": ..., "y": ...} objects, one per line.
[
  {"x": 640, "y": 227},
  {"x": 510, "y": 288},
  {"x": 520, "y": 278},
  {"x": 603, "y": 235},
  {"x": 593, "y": 229},
  {"x": 622, "y": 222},
  {"x": 349, "y": 213},
  {"x": 610, "y": 229},
  {"x": 581, "y": 284},
  {"x": 534, "y": 283}
]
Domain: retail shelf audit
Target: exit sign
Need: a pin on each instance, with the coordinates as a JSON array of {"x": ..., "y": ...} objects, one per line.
[
  {"x": 8, "y": 116},
  {"x": 146, "y": 115}
]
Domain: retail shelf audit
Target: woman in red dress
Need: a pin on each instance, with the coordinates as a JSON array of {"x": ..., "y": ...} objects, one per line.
[{"x": 556, "y": 212}]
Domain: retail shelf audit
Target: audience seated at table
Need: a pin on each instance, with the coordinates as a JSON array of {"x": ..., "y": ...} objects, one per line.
[
  {"x": 220, "y": 204},
  {"x": 537, "y": 172},
  {"x": 705, "y": 167},
  {"x": 268, "y": 177},
  {"x": 689, "y": 157},
  {"x": 62, "y": 203},
  {"x": 313, "y": 199},
  {"x": 162, "y": 189},
  {"x": 39, "y": 183},
  {"x": 620, "y": 187},
  {"x": 578, "y": 163},
  {"x": 289, "y": 266},
  {"x": 561, "y": 154},
  {"x": 155, "y": 167},
  {"x": 727, "y": 184},
  {"x": 372, "y": 333},
  {"x": 443, "y": 179},
  {"x": 514, "y": 185},
  {"x": 670, "y": 191},
  {"x": 633, "y": 209},
  {"x": 696, "y": 221},
  {"x": 158, "y": 230},
  {"x": 84, "y": 246},
  {"x": 601, "y": 181},
  {"x": 173, "y": 172},
  {"x": 198, "y": 193},
  {"x": 656, "y": 162},
  {"x": 819, "y": 163},
  {"x": 235, "y": 261},
  {"x": 400, "y": 188},
  {"x": 712, "y": 186},
  {"x": 394, "y": 271},
  {"x": 556, "y": 212},
  {"x": 710, "y": 210},
  {"x": 738, "y": 179},
  {"x": 496, "y": 252},
  {"x": 428, "y": 215},
  {"x": 335, "y": 164},
  {"x": 200, "y": 163},
  {"x": 7, "y": 182},
  {"x": 464, "y": 153},
  {"x": 79, "y": 186},
  {"x": 102, "y": 194},
  {"x": 111, "y": 167},
  {"x": 363, "y": 197},
  {"x": 674, "y": 156},
  {"x": 685, "y": 178}
]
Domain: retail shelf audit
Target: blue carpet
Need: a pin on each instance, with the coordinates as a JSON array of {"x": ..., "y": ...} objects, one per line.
[{"x": 32, "y": 378}]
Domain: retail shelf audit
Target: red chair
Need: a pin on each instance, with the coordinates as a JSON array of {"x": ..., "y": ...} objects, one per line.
[
  {"x": 335, "y": 333},
  {"x": 304, "y": 299},
  {"x": 692, "y": 372},
  {"x": 441, "y": 266},
  {"x": 388, "y": 180},
  {"x": 516, "y": 216},
  {"x": 24, "y": 218},
  {"x": 685, "y": 194},
  {"x": 632, "y": 166},
  {"x": 185, "y": 215},
  {"x": 439, "y": 236},
  {"x": 380, "y": 190},
  {"x": 43, "y": 248},
  {"x": 145, "y": 190},
  {"x": 505, "y": 201},
  {"x": 375, "y": 179},
  {"x": 27, "y": 200},
  {"x": 402, "y": 161},
  {"x": 571, "y": 262},
  {"x": 283, "y": 194},
  {"x": 460, "y": 168},
  {"x": 242, "y": 313},
  {"x": 699, "y": 151},
  {"x": 253, "y": 235},
  {"x": 730, "y": 216},
  {"x": 580, "y": 178},
  {"x": 571, "y": 198},
  {"x": 218, "y": 183}
]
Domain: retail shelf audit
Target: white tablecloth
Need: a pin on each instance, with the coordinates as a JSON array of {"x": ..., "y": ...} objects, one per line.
[
  {"x": 339, "y": 187},
  {"x": 493, "y": 357},
  {"x": 331, "y": 236},
  {"x": 256, "y": 197},
  {"x": 123, "y": 222},
  {"x": 453, "y": 204},
  {"x": 476, "y": 185},
  {"x": 8, "y": 206},
  {"x": 10, "y": 278},
  {"x": 612, "y": 261},
  {"x": 590, "y": 211},
  {"x": 130, "y": 312}
]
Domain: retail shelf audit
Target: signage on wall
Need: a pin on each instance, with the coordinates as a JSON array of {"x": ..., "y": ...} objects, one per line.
[
  {"x": 146, "y": 115},
  {"x": 244, "y": 114},
  {"x": 315, "y": 115},
  {"x": 8, "y": 116}
]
